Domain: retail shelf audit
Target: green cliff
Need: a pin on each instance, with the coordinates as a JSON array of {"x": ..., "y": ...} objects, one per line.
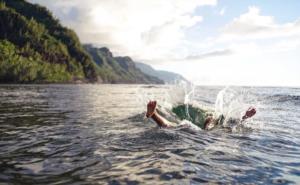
[
  {"x": 36, "y": 48},
  {"x": 118, "y": 69}
]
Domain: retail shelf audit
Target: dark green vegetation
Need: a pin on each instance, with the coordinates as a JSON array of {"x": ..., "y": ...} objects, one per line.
[
  {"x": 118, "y": 69},
  {"x": 14, "y": 67},
  {"x": 36, "y": 48},
  {"x": 188, "y": 112}
]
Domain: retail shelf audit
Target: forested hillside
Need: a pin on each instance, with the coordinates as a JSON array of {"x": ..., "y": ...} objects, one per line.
[
  {"x": 118, "y": 69},
  {"x": 36, "y": 48}
]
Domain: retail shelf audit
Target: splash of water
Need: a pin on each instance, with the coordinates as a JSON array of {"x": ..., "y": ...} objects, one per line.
[
  {"x": 189, "y": 90},
  {"x": 232, "y": 103}
]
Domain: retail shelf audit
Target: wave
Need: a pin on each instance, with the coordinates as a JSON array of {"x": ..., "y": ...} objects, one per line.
[{"x": 284, "y": 98}]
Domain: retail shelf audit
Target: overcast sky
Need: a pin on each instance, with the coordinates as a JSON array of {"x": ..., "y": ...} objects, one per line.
[{"x": 210, "y": 42}]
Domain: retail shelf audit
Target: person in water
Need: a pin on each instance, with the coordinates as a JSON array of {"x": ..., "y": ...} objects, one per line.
[{"x": 197, "y": 116}]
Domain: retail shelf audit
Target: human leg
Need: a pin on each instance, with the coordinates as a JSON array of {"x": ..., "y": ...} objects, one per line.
[{"x": 160, "y": 120}]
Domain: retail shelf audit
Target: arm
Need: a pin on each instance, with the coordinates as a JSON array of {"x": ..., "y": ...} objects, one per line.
[{"x": 160, "y": 120}]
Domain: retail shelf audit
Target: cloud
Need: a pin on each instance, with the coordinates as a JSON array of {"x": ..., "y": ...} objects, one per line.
[
  {"x": 196, "y": 57},
  {"x": 222, "y": 11},
  {"x": 210, "y": 54},
  {"x": 148, "y": 29},
  {"x": 253, "y": 25}
]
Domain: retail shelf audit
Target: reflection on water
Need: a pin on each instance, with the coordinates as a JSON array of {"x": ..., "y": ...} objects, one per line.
[{"x": 96, "y": 134}]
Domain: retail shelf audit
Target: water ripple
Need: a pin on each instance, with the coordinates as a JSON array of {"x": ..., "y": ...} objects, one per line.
[{"x": 96, "y": 134}]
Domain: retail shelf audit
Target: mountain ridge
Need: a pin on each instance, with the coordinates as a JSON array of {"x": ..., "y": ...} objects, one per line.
[
  {"x": 167, "y": 76},
  {"x": 36, "y": 48},
  {"x": 119, "y": 69}
]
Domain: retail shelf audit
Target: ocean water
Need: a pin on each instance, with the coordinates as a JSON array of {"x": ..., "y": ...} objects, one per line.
[{"x": 97, "y": 134}]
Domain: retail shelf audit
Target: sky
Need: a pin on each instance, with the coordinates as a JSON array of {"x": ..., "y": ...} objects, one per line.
[{"x": 210, "y": 42}]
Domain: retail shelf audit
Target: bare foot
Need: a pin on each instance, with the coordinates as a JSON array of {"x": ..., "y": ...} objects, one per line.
[
  {"x": 249, "y": 113},
  {"x": 151, "y": 106}
]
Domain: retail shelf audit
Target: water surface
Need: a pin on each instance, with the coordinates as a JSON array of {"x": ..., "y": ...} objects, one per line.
[{"x": 96, "y": 134}]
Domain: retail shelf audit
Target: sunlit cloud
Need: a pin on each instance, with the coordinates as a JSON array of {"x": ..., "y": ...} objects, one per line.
[
  {"x": 210, "y": 54},
  {"x": 222, "y": 11},
  {"x": 148, "y": 29},
  {"x": 256, "y": 49},
  {"x": 253, "y": 25}
]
